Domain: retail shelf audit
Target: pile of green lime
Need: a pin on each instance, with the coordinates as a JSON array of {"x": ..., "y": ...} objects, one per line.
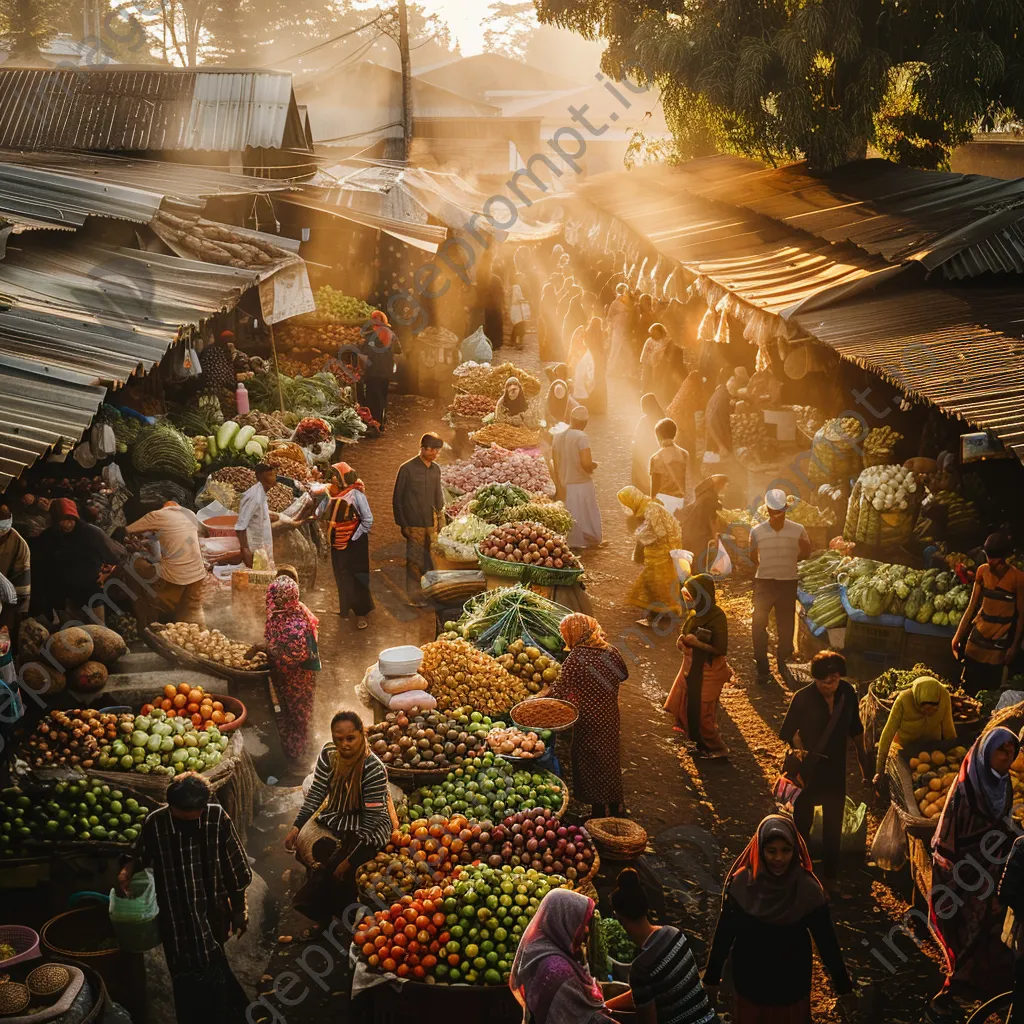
[
  {"x": 68, "y": 812},
  {"x": 485, "y": 788}
]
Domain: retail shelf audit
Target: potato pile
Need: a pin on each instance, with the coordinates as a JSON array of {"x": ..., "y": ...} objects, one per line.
[
  {"x": 531, "y": 544},
  {"x": 214, "y": 646},
  {"x": 933, "y": 774},
  {"x": 458, "y": 675},
  {"x": 515, "y": 742},
  {"x": 531, "y": 664}
]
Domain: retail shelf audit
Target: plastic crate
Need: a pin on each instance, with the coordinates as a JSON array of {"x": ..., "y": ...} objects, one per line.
[
  {"x": 864, "y": 665},
  {"x": 883, "y": 640}
]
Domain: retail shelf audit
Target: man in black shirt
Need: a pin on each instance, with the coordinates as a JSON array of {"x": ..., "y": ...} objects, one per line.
[
  {"x": 821, "y": 719},
  {"x": 418, "y": 505}
]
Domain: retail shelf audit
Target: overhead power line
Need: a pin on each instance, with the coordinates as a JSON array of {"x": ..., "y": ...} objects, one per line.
[{"x": 329, "y": 42}]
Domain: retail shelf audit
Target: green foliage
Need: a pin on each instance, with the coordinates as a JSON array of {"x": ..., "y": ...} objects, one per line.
[
  {"x": 29, "y": 25},
  {"x": 824, "y": 79}
]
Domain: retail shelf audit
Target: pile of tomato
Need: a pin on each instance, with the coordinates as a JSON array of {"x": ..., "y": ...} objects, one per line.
[{"x": 409, "y": 938}]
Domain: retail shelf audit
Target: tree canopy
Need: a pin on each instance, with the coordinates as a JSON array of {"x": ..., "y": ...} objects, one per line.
[{"x": 778, "y": 79}]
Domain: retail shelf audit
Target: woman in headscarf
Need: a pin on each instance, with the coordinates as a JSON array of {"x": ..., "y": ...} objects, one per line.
[
  {"x": 345, "y": 820},
  {"x": 549, "y": 978},
  {"x": 697, "y": 689},
  {"x": 700, "y": 522},
  {"x": 559, "y": 404},
  {"x": 653, "y": 360},
  {"x": 771, "y": 908},
  {"x": 972, "y": 828},
  {"x": 77, "y": 559},
  {"x": 920, "y": 716},
  {"x": 575, "y": 316},
  {"x": 513, "y": 407},
  {"x": 645, "y": 441},
  {"x": 657, "y": 589},
  {"x": 590, "y": 679},
  {"x": 289, "y": 639},
  {"x": 596, "y": 354},
  {"x": 349, "y": 522},
  {"x": 377, "y": 356}
]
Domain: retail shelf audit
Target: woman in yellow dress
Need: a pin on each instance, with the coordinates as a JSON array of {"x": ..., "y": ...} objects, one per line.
[{"x": 656, "y": 590}]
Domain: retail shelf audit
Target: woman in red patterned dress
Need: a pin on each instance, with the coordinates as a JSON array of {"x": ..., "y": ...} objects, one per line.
[{"x": 590, "y": 679}]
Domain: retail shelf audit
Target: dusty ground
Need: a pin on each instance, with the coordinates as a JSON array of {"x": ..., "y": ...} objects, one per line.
[{"x": 699, "y": 815}]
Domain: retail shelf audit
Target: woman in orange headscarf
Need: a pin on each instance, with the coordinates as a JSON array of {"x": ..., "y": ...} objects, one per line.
[
  {"x": 349, "y": 521},
  {"x": 377, "y": 356},
  {"x": 590, "y": 679}
]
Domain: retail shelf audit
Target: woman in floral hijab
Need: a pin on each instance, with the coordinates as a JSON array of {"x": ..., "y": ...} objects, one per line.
[{"x": 290, "y": 639}]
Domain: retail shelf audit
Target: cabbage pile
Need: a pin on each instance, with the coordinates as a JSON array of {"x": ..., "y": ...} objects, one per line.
[{"x": 926, "y": 596}]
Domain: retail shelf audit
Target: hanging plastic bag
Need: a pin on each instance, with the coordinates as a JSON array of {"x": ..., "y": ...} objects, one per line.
[
  {"x": 134, "y": 916},
  {"x": 889, "y": 850},
  {"x": 683, "y": 561},
  {"x": 184, "y": 363},
  {"x": 855, "y": 829},
  {"x": 722, "y": 565},
  {"x": 476, "y": 348},
  {"x": 102, "y": 440}
]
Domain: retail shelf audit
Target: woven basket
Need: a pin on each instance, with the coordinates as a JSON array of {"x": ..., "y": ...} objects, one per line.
[
  {"x": 538, "y": 575},
  {"x": 617, "y": 838},
  {"x": 587, "y": 880}
]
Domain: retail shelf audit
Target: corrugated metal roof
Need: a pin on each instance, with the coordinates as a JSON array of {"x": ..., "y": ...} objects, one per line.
[
  {"x": 778, "y": 268},
  {"x": 959, "y": 349},
  {"x": 82, "y": 317},
  {"x": 898, "y": 213},
  {"x": 123, "y": 109}
]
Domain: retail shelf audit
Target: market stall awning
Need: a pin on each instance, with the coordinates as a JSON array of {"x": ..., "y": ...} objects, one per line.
[
  {"x": 967, "y": 224},
  {"x": 77, "y": 318},
  {"x": 959, "y": 349},
  {"x": 63, "y": 189}
]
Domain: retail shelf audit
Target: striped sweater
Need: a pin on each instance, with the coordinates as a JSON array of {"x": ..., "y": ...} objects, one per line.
[{"x": 371, "y": 822}]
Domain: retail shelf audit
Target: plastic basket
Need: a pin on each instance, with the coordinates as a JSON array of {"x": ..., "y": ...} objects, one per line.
[
  {"x": 933, "y": 651},
  {"x": 882, "y": 640},
  {"x": 538, "y": 575},
  {"x": 24, "y": 940}
]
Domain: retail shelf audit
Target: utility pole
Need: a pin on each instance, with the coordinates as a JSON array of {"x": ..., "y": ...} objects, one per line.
[{"x": 403, "y": 46}]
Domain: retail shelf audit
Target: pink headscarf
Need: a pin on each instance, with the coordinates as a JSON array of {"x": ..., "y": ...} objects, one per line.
[
  {"x": 546, "y": 968},
  {"x": 289, "y": 623}
]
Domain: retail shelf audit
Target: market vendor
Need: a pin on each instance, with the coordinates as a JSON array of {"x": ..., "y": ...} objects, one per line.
[
  {"x": 344, "y": 821},
  {"x": 377, "y": 352},
  {"x": 176, "y": 594},
  {"x": 418, "y": 507},
  {"x": 920, "y": 716},
  {"x": 657, "y": 589},
  {"x": 77, "y": 559},
  {"x": 255, "y": 524},
  {"x": 989, "y": 634},
  {"x": 514, "y": 407}
]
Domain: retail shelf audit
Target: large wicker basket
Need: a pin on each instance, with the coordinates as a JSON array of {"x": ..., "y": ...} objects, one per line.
[
  {"x": 617, "y": 838},
  {"x": 538, "y": 575}
]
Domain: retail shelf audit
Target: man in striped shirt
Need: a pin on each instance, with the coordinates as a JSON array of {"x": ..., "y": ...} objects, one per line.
[{"x": 201, "y": 873}]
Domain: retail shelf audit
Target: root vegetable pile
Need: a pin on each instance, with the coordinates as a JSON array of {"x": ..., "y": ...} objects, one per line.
[
  {"x": 516, "y": 743},
  {"x": 465, "y": 932},
  {"x": 192, "y": 702},
  {"x": 430, "y": 739},
  {"x": 485, "y": 794},
  {"x": 498, "y": 465},
  {"x": 458, "y": 675},
  {"x": 475, "y": 406},
  {"x": 214, "y": 646},
  {"x": 482, "y": 379},
  {"x": 530, "y": 544}
]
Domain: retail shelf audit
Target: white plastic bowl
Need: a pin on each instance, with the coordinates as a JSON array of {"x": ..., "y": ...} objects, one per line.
[{"x": 400, "y": 661}]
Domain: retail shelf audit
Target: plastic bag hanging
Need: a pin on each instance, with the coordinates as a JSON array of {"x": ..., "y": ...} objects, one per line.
[{"x": 722, "y": 330}]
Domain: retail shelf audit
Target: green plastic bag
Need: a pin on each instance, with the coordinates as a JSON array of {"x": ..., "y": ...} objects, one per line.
[
  {"x": 135, "y": 916},
  {"x": 855, "y": 829}
]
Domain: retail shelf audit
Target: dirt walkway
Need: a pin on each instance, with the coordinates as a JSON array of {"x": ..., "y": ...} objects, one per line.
[{"x": 699, "y": 815}]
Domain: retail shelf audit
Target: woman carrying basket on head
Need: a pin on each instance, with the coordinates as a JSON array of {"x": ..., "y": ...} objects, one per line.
[{"x": 349, "y": 521}]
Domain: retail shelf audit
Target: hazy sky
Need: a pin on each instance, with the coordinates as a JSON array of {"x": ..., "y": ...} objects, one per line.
[{"x": 464, "y": 17}]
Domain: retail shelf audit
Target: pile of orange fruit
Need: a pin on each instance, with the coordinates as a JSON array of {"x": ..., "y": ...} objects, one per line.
[{"x": 188, "y": 701}]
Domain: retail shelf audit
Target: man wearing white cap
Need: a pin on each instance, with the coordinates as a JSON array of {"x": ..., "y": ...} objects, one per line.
[{"x": 775, "y": 547}]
